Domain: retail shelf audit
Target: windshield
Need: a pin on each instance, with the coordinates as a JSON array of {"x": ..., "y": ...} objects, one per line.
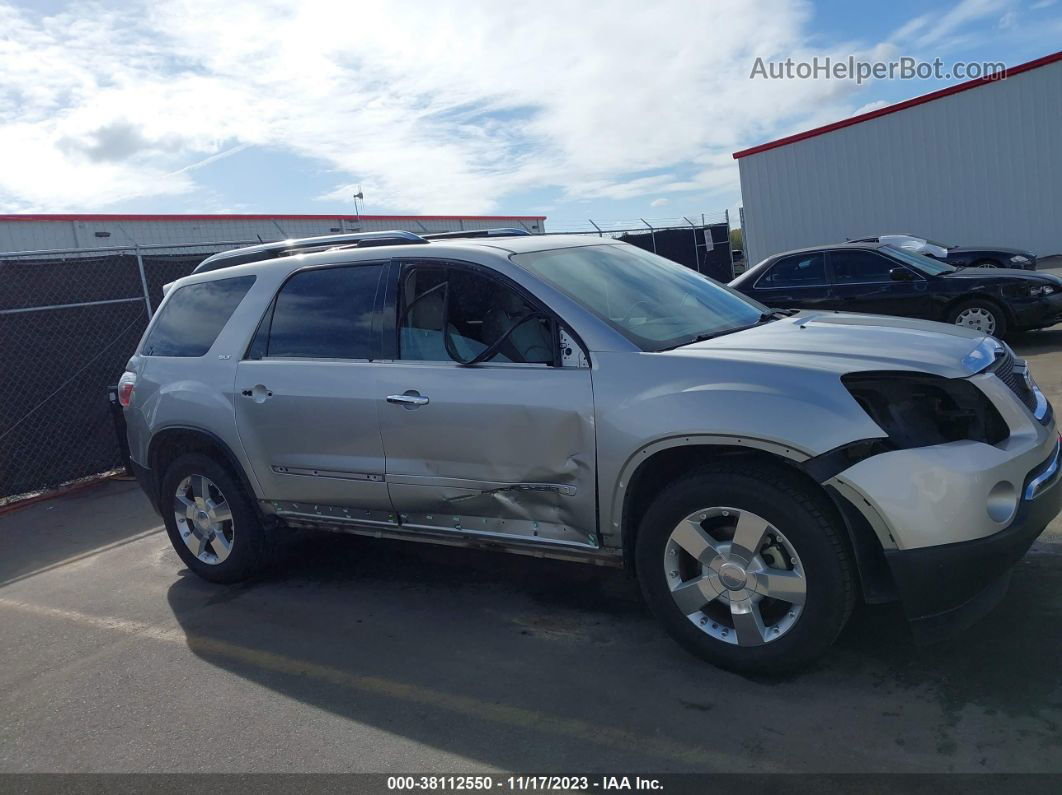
[
  {"x": 925, "y": 264},
  {"x": 652, "y": 301}
]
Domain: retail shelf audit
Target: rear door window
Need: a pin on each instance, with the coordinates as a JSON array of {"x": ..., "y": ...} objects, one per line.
[
  {"x": 324, "y": 313},
  {"x": 799, "y": 270},
  {"x": 194, "y": 315}
]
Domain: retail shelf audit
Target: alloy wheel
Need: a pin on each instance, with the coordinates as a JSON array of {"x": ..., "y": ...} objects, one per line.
[
  {"x": 204, "y": 519},
  {"x": 735, "y": 576}
]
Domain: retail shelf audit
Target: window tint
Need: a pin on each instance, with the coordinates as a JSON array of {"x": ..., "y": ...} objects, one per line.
[
  {"x": 860, "y": 266},
  {"x": 800, "y": 270},
  {"x": 326, "y": 314},
  {"x": 192, "y": 318},
  {"x": 451, "y": 314}
]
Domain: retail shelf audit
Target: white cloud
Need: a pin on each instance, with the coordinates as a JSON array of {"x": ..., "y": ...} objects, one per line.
[
  {"x": 443, "y": 106},
  {"x": 661, "y": 202},
  {"x": 869, "y": 107},
  {"x": 948, "y": 24}
]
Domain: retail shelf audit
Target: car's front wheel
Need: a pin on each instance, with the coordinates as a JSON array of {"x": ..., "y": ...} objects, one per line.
[
  {"x": 979, "y": 315},
  {"x": 211, "y": 521},
  {"x": 746, "y": 568}
]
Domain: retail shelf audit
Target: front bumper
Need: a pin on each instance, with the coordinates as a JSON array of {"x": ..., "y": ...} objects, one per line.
[
  {"x": 945, "y": 589},
  {"x": 1030, "y": 313}
]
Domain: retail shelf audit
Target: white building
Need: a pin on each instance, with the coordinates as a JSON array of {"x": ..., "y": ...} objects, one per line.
[
  {"x": 48, "y": 232},
  {"x": 977, "y": 163}
]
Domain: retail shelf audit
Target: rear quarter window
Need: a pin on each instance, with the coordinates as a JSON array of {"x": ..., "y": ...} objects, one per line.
[{"x": 195, "y": 314}]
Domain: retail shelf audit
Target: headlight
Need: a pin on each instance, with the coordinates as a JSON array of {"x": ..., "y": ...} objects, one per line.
[
  {"x": 1041, "y": 289},
  {"x": 918, "y": 409},
  {"x": 1020, "y": 259}
]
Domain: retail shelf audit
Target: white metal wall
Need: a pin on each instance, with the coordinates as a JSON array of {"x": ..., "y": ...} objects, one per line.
[
  {"x": 982, "y": 166},
  {"x": 36, "y": 235}
]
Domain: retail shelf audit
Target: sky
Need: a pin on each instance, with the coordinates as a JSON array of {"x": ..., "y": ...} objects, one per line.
[{"x": 573, "y": 110}]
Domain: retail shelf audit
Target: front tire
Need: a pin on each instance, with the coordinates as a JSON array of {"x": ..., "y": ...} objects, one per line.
[
  {"x": 211, "y": 521},
  {"x": 746, "y": 568},
  {"x": 979, "y": 315}
]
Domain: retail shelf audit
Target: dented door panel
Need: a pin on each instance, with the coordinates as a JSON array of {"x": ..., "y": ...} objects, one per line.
[{"x": 497, "y": 449}]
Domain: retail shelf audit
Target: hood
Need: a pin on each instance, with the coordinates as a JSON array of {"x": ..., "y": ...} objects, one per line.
[
  {"x": 842, "y": 343},
  {"x": 1005, "y": 274}
]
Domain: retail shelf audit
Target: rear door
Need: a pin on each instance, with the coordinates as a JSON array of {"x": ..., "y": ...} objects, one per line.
[
  {"x": 798, "y": 280},
  {"x": 503, "y": 448},
  {"x": 307, "y": 395},
  {"x": 862, "y": 282}
]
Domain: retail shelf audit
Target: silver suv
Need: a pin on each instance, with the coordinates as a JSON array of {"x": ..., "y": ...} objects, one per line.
[{"x": 579, "y": 398}]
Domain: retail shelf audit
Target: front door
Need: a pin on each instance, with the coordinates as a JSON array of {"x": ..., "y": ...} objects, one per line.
[
  {"x": 862, "y": 282},
  {"x": 501, "y": 448},
  {"x": 307, "y": 396}
]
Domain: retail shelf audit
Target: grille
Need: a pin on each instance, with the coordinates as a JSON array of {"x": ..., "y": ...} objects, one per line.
[{"x": 1008, "y": 372}]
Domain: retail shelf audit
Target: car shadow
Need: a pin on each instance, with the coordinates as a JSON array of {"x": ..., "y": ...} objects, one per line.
[
  {"x": 531, "y": 664},
  {"x": 38, "y": 536},
  {"x": 1029, "y": 343}
]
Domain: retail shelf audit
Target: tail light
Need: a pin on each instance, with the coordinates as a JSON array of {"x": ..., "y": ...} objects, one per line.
[{"x": 125, "y": 388}]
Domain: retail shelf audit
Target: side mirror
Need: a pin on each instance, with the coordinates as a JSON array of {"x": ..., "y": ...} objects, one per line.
[{"x": 900, "y": 275}]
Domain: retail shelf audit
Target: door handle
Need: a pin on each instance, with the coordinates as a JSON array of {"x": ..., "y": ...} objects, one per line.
[{"x": 409, "y": 399}]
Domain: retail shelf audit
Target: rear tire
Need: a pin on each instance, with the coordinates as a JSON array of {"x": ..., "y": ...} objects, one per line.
[
  {"x": 979, "y": 315},
  {"x": 800, "y": 557},
  {"x": 211, "y": 520}
]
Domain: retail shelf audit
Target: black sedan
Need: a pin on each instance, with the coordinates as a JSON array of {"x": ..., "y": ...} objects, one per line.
[
  {"x": 959, "y": 256},
  {"x": 882, "y": 279}
]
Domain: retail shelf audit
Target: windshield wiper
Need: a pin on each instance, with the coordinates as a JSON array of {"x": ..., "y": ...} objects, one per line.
[{"x": 765, "y": 317}]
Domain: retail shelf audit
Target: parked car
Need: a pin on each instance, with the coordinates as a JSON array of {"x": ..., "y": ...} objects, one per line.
[
  {"x": 882, "y": 279},
  {"x": 758, "y": 471},
  {"x": 959, "y": 256}
]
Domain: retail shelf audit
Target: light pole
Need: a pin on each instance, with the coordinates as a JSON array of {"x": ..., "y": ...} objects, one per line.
[{"x": 357, "y": 215}]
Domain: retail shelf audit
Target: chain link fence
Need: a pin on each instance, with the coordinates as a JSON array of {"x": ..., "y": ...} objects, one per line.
[
  {"x": 69, "y": 320},
  {"x": 701, "y": 243}
]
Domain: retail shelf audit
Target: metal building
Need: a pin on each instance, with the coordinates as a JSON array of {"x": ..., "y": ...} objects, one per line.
[
  {"x": 47, "y": 232},
  {"x": 978, "y": 163}
]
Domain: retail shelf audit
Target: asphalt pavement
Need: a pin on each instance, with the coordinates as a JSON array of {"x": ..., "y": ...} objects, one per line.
[{"x": 381, "y": 656}]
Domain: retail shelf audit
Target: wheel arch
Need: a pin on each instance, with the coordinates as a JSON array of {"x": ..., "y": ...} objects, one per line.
[
  {"x": 658, "y": 464},
  {"x": 976, "y": 296},
  {"x": 169, "y": 443}
]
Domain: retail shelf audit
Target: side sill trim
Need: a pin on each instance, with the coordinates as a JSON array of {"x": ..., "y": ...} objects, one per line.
[{"x": 465, "y": 538}]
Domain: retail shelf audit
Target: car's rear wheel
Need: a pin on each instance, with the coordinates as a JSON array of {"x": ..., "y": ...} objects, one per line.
[
  {"x": 979, "y": 315},
  {"x": 211, "y": 521},
  {"x": 746, "y": 568},
  {"x": 986, "y": 263}
]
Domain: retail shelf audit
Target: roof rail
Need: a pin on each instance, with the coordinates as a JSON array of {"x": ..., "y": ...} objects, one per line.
[
  {"x": 499, "y": 232},
  {"x": 283, "y": 248}
]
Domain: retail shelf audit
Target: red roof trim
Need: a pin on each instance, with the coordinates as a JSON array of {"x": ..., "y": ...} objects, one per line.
[
  {"x": 910, "y": 103},
  {"x": 106, "y": 217}
]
